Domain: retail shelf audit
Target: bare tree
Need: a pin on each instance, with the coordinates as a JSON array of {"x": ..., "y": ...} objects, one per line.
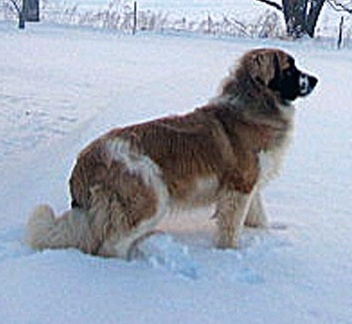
[
  {"x": 301, "y": 16},
  {"x": 19, "y": 10},
  {"x": 27, "y": 10}
]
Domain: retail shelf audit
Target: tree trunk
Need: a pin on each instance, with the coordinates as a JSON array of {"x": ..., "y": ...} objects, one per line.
[
  {"x": 30, "y": 9},
  {"x": 21, "y": 20},
  {"x": 312, "y": 16},
  {"x": 301, "y": 16},
  {"x": 295, "y": 17}
]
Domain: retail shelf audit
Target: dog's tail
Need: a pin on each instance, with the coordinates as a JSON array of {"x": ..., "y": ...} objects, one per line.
[{"x": 45, "y": 231}]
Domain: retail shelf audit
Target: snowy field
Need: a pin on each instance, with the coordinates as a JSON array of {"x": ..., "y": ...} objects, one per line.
[{"x": 61, "y": 87}]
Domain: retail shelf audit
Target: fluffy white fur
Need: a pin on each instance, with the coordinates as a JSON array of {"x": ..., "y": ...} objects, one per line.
[{"x": 46, "y": 231}]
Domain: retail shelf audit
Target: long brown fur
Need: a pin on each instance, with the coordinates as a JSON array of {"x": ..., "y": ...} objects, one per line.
[{"x": 124, "y": 181}]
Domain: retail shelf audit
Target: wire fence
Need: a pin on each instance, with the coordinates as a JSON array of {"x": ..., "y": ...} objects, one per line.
[
  {"x": 122, "y": 15},
  {"x": 125, "y": 16}
]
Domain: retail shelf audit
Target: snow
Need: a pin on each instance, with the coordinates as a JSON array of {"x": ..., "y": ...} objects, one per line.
[{"x": 61, "y": 87}]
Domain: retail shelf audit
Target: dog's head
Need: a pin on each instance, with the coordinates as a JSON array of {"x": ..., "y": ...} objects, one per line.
[{"x": 276, "y": 71}]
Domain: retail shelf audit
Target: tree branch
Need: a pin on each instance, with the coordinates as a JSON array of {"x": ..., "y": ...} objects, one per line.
[
  {"x": 16, "y": 6},
  {"x": 272, "y": 3},
  {"x": 339, "y": 6}
]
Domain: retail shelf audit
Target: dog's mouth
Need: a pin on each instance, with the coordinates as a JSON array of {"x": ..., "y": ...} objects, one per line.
[
  {"x": 307, "y": 84},
  {"x": 293, "y": 84}
]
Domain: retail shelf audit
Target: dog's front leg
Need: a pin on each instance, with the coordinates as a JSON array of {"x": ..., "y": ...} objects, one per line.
[
  {"x": 231, "y": 212},
  {"x": 256, "y": 216}
]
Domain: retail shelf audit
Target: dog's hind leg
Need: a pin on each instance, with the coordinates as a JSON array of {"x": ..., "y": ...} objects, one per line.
[
  {"x": 130, "y": 201},
  {"x": 111, "y": 226},
  {"x": 123, "y": 220},
  {"x": 125, "y": 205}
]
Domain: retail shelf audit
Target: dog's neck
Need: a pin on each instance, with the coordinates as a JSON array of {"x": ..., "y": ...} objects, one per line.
[
  {"x": 266, "y": 112},
  {"x": 267, "y": 120}
]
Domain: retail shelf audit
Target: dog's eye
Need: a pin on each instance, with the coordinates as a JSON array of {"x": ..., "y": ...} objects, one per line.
[{"x": 290, "y": 72}]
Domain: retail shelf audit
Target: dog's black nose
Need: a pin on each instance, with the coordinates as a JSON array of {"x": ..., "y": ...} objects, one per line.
[
  {"x": 312, "y": 81},
  {"x": 306, "y": 84}
]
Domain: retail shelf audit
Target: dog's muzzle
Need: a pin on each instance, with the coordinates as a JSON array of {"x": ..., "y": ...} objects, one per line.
[{"x": 306, "y": 84}]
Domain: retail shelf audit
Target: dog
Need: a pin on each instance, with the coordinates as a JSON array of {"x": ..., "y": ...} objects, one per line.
[{"x": 124, "y": 182}]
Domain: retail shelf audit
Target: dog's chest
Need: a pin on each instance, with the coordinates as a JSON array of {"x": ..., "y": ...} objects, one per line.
[
  {"x": 270, "y": 161},
  {"x": 270, "y": 164}
]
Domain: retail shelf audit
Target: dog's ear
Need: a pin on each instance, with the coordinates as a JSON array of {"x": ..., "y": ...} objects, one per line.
[
  {"x": 275, "y": 81},
  {"x": 256, "y": 68},
  {"x": 261, "y": 66},
  {"x": 277, "y": 67}
]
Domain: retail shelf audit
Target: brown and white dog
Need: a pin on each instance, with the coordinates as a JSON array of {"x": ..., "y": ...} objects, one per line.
[{"x": 124, "y": 182}]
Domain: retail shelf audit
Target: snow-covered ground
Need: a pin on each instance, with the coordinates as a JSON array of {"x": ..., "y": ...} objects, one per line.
[{"x": 61, "y": 87}]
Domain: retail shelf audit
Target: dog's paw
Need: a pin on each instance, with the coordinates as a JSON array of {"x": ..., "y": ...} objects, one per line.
[{"x": 227, "y": 239}]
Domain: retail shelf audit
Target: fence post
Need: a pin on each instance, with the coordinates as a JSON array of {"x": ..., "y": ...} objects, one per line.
[
  {"x": 339, "y": 41},
  {"x": 134, "y": 30}
]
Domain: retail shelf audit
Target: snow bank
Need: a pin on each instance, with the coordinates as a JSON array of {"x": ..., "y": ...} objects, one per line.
[{"x": 61, "y": 87}]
